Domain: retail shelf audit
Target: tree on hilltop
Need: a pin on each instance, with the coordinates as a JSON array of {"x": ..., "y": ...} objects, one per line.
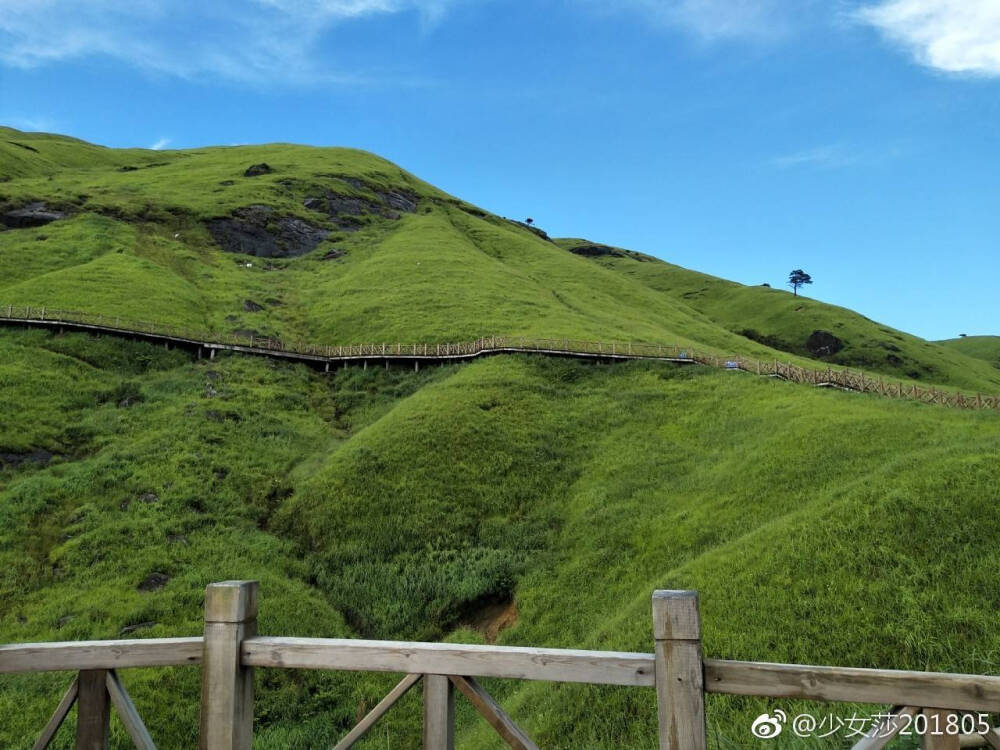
[{"x": 798, "y": 278}]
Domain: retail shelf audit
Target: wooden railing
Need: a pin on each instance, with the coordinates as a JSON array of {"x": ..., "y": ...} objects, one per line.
[
  {"x": 230, "y": 650},
  {"x": 843, "y": 378}
]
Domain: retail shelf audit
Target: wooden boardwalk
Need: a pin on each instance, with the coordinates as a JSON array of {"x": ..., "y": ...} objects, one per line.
[{"x": 329, "y": 356}]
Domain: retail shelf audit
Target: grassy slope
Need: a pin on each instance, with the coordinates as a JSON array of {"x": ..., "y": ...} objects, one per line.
[
  {"x": 136, "y": 246},
  {"x": 819, "y": 526},
  {"x": 388, "y": 504},
  {"x": 981, "y": 347},
  {"x": 785, "y": 322}
]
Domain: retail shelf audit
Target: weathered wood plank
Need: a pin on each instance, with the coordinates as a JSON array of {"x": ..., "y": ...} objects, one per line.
[
  {"x": 957, "y": 691},
  {"x": 439, "y": 713},
  {"x": 495, "y": 716},
  {"x": 58, "y": 717},
  {"x": 522, "y": 663},
  {"x": 363, "y": 726},
  {"x": 227, "y": 683},
  {"x": 128, "y": 714},
  {"x": 93, "y": 711},
  {"x": 936, "y": 737},
  {"x": 680, "y": 694},
  {"x": 992, "y": 738},
  {"x": 81, "y": 655}
]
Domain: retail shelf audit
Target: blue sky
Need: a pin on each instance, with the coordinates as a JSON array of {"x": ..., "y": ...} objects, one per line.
[{"x": 857, "y": 139}]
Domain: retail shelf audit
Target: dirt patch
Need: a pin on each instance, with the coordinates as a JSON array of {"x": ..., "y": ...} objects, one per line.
[
  {"x": 255, "y": 230},
  {"x": 250, "y": 306},
  {"x": 35, "y": 214},
  {"x": 494, "y": 617},
  {"x": 823, "y": 344}
]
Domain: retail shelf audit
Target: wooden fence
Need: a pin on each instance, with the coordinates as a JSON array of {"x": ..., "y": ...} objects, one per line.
[
  {"x": 230, "y": 649},
  {"x": 327, "y": 355}
]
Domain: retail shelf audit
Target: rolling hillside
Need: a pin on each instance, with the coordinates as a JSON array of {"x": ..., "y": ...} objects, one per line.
[
  {"x": 340, "y": 246},
  {"x": 528, "y": 500},
  {"x": 798, "y": 324},
  {"x": 981, "y": 347}
]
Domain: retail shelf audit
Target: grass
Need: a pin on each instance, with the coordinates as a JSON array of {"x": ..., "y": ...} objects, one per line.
[
  {"x": 981, "y": 347},
  {"x": 137, "y": 245},
  {"x": 819, "y": 526},
  {"x": 390, "y": 504},
  {"x": 785, "y": 322}
]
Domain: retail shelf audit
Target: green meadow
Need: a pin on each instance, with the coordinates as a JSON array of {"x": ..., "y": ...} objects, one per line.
[{"x": 516, "y": 499}]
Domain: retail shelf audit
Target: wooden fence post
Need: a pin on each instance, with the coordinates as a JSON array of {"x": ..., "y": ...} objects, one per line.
[
  {"x": 937, "y": 736},
  {"x": 680, "y": 689},
  {"x": 226, "y": 685},
  {"x": 93, "y": 711},
  {"x": 439, "y": 713}
]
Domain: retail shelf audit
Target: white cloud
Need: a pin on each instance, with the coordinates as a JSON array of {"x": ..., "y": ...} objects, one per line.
[
  {"x": 956, "y": 36},
  {"x": 713, "y": 20},
  {"x": 257, "y": 41},
  {"x": 160, "y": 144}
]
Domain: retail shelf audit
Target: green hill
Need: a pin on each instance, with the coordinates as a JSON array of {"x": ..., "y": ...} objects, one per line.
[
  {"x": 819, "y": 526},
  {"x": 981, "y": 347},
  {"x": 797, "y": 324}
]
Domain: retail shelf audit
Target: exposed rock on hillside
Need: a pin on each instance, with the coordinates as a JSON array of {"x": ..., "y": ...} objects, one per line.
[
  {"x": 154, "y": 581},
  {"x": 33, "y": 215},
  {"x": 38, "y": 456},
  {"x": 255, "y": 170},
  {"x": 345, "y": 210},
  {"x": 255, "y": 230},
  {"x": 823, "y": 344},
  {"x": 595, "y": 251}
]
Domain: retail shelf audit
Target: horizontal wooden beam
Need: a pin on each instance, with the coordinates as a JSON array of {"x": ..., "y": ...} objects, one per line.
[
  {"x": 927, "y": 689},
  {"x": 78, "y": 655},
  {"x": 556, "y": 665}
]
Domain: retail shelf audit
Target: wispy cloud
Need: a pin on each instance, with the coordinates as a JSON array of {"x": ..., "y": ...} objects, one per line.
[
  {"x": 955, "y": 36},
  {"x": 160, "y": 144},
  {"x": 716, "y": 20},
  {"x": 255, "y": 41},
  {"x": 823, "y": 157},
  {"x": 30, "y": 123}
]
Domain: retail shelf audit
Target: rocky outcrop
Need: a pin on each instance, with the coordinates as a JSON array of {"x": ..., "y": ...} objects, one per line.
[
  {"x": 255, "y": 170},
  {"x": 823, "y": 344},
  {"x": 35, "y": 214},
  {"x": 255, "y": 230},
  {"x": 593, "y": 250},
  {"x": 13, "y": 460},
  {"x": 153, "y": 582},
  {"x": 346, "y": 211}
]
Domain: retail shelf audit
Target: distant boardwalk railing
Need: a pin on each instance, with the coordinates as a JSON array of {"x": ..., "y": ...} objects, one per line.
[
  {"x": 206, "y": 342},
  {"x": 948, "y": 710}
]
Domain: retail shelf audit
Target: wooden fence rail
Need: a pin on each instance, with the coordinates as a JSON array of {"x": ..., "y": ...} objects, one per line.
[
  {"x": 230, "y": 650},
  {"x": 327, "y": 355}
]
